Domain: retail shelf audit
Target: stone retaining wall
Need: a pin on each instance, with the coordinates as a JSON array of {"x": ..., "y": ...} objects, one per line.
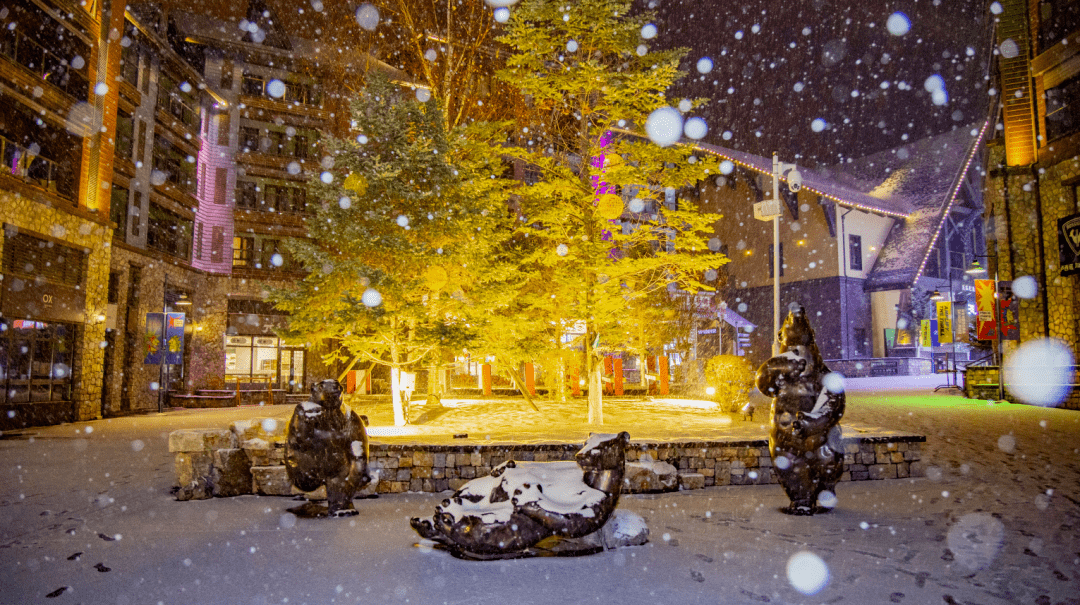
[{"x": 249, "y": 458}]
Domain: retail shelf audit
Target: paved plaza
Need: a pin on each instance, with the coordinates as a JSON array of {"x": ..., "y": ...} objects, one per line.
[{"x": 86, "y": 516}]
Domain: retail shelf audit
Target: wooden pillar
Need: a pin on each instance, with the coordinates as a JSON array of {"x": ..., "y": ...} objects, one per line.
[
  {"x": 651, "y": 367},
  {"x": 350, "y": 381},
  {"x": 616, "y": 378},
  {"x": 530, "y": 378},
  {"x": 662, "y": 362},
  {"x": 575, "y": 383},
  {"x": 608, "y": 366},
  {"x": 485, "y": 371}
]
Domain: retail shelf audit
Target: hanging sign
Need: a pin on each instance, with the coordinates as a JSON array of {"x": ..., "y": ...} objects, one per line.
[
  {"x": 984, "y": 308},
  {"x": 174, "y": 339},
  {"x": 155, "y": 332},
  {"x": 944, "y": 322},
  {"x": 924, "y": 333},
  {"x": 1069, "y": 244}
]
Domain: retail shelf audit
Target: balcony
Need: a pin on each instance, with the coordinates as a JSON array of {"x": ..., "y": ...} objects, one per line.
[
  {"x": 44, "y": 64},
  {"x": 25, "y": 164}
]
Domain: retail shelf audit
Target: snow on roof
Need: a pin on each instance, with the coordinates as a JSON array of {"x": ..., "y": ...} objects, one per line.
[{"x": 915, "y": 182}]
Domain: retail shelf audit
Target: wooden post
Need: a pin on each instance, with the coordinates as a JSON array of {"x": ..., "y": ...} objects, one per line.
[
  {"x": 616, "y": 379},
  {"x": 664, "y": 374},
  {"x": 350, "y": 381},
  {"x": 270, "y": 391},
  {"x": 651, "y": 367},
  {"x": 608, "y": 367},
  {"x": 485, "y": 371},
  {"x": 237, "y": 390},
  {"x": 530, "y": 378},
  {"x": 575, "y": 383}
]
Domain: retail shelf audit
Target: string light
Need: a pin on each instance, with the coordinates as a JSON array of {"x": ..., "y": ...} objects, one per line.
[{"x": 952, "y": 200}]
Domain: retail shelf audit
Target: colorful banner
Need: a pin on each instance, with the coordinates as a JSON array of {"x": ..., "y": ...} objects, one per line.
[
  {"x": 174, "y": 339},
  {"x": 944, "y": 322},
  {"x": 984, "y": 309},
  {"x": 1069, "y": 244},
  {"x": 155, "y": 332},
  {"x": 1010, "y": 313},
  {"x": 925, "y": 334},
  {"x": 961, "y": 324}
]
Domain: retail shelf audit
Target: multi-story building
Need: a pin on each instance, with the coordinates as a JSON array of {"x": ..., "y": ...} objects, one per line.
[
  {"x": 1033, "y": 166},
  {"x": 157, "y": 161}
]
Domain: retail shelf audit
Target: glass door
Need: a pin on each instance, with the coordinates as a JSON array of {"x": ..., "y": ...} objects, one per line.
[{"x": 292, "y": 370}]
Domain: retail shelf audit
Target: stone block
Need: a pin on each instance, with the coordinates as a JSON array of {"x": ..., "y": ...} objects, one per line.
[
  {"x": 882, "y": 471},
  {"x": 438, "y": 473},
  {"x": 416, "y": 485},
  {"x": 194, "y": 475},
  {"x": 264, "y": 453},
  {"x": 271, "y": 481},
  {"x": 201, "y": 440},
  {"x": 468, "y": 472},
  {"x": 916, "y": 469},
  {"x": 231, "y": 474},
  {"x": 456, "y": 484},
  {"x": 691, "y": 481},
  {"x": 451, "y": 460},
  {"x": 859, "y": 475},
  {"x": 271, "y": 430},
  {"x": 420, "y": 458},
  {"x": 476, "y": 459},
  {"x": 421, "y": 472},
  {"x": 389, "y": 462},
  {"x": 403, "y": 474},
  {"x": 895, "y": 457},
  {"x": 405, "y": 462},
  {"x": 439, "y": 461},
  {"x": 902, "y": 471},
  {"x": 641, "y": 477}
]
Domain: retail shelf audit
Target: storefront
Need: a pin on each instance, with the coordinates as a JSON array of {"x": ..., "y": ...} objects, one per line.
[
  {"x": 43, "y": 305},
  {"x": 264, "y": 360}
]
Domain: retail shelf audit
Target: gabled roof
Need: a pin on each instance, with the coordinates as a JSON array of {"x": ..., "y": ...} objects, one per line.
[{"x": 916, "y": 183}]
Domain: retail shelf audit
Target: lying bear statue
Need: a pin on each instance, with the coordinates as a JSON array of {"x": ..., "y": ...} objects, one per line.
[
  {"x": 805, "y": 441},
  {"x": 521, "y": 503},
  {"x": 327, "y": 447}
]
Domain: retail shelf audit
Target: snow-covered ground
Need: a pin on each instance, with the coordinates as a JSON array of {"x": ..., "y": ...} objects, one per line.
[{"x": 87, "y": 506}]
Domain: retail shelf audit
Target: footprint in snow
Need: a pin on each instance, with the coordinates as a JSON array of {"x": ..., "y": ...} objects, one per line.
[
  {"x": 697, "y": 576},
  {"x": 58, "y": 592},
  {"x": 896, "y": 597},
  {"x": 705, "y": 558},
  {"x": 75, "y": 557},
  {"x": 101, "y": 567},
  {"x": 107, "y": 538}
]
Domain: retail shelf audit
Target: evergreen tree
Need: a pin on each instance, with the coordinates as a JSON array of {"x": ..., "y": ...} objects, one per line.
[
  {"x": 408, "y": 217},
  {"x": 592, "y": 85}
]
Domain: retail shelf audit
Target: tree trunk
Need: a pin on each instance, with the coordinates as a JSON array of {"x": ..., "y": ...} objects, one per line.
[
  {"x": 395, "y": 390},
  {"x": 596, "y": 395},
  {"x": 519, "y": 382}
]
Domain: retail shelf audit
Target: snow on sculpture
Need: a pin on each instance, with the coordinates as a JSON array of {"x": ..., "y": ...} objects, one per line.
[
  {"x": 805, "y": 440},
  {"x": 326, "y": 446},
  {"x": 505, "y": 514}
]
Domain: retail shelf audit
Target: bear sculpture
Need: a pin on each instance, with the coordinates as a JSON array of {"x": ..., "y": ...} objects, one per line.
[
  {"x": 326, "y": 446},
  {"x": 519, "y": 504},
  {"x": 805, "y": 439}
]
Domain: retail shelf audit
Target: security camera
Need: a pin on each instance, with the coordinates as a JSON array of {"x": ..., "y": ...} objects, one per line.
[{"x": 794, "y": 181}]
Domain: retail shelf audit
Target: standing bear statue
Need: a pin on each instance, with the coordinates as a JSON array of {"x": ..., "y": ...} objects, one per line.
[
  {"x": 805, "y": 440},
  {"x": 327, "y": 447}
]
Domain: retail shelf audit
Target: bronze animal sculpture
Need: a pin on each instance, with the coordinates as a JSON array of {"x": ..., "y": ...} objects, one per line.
[
  {"x": 805, "y": 440},
  {"x": 506, "y": 513},
  {"x": 327, "y": 447}
]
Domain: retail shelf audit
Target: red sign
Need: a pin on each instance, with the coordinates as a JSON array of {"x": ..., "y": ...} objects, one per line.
[{"x": 1008, "y": 308}]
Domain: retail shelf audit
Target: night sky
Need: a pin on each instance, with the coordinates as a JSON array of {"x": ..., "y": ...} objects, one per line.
[{"x": 779, "y": 66}]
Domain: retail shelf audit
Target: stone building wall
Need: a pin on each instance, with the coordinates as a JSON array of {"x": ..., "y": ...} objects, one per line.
[
  {"x": 84, "y": 231},
  {"x": 1014, "y": 197}
]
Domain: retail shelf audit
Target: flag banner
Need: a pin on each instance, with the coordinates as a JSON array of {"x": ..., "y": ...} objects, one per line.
[
  {"x": 960, "y": 323},
  {"x": 155, "y": 331},
  {"x": 944, "y": 322},
  {"x": 174, "y": 339},
  {"x": 1010, "y": 314},
  {"x": 984, "y": 309},
  {"x": 924, "y": 334}
]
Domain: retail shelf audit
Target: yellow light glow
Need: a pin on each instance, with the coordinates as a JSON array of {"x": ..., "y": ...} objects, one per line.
[{"x": 710, "y": 391}]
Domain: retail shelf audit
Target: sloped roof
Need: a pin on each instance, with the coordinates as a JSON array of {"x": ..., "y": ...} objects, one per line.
[{"x": 915, "y": 183}]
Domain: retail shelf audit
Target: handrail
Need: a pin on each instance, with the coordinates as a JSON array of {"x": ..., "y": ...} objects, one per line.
[{"x": 24, "y": 163}]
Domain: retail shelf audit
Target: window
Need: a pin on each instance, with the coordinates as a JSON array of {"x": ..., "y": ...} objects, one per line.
[
  {"x": 274, "y": 255},
  {"x": 118, "y": 208},
  {"x": 771, "y": 261},
  {"x": 221, "y": 180},
  {"x": 125, "y": 135},
  {"x": 243, "y": 251},
  {"x": 300, "y": 147},
  {"x": 248, "y": 197},
  {"x": 173, "y": 101},
  {"x": 168, "y": 232},
  {"x": 251, "y": 85},
  {"x": 249, "y": 138},
  {"x": 1062, "y": 103},
  {"x": 32, "y": 257},
  {"x": 855, "y": 251},
  {"x": 217, "y": 244},
  {"x": 859, "y": 344},
  {"x": 198, "y": 240},
  {"x": 38, "y": 359},
  {"x": 174, "y": 164}
]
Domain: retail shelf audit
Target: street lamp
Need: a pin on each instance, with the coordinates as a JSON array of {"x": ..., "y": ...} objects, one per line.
[
  {"x": 976, "y": 269},
  {"x": 770, "y": 209}
]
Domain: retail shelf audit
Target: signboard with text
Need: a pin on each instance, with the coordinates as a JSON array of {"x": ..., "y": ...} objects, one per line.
[
  {"x": 944, "y": 322},
  {"x": 1069, "y": 244},
  {"x": 164, "y": 338},
  {"x": 1009, "y": 308}
]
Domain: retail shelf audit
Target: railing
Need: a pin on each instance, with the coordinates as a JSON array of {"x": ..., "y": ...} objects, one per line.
[
  {"x": 23, "y": 163},
  {"x": 42, "y": 62}
]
